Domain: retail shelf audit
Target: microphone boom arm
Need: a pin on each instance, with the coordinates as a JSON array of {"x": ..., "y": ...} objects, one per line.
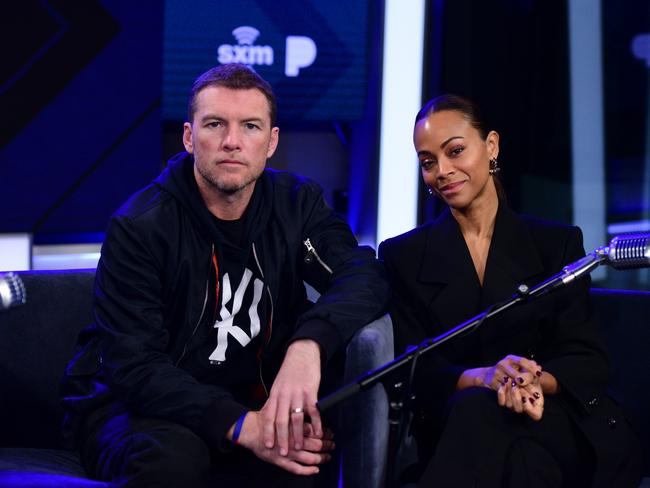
[{"x": 569, "y": 274}]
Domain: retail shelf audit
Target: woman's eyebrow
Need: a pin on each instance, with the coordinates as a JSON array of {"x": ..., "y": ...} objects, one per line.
[{"x": 442, "y": 146}]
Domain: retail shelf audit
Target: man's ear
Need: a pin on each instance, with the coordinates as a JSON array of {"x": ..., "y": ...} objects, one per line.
[
  {"x": 273, "y": 141},
  {"x": 187, "y": 137}
]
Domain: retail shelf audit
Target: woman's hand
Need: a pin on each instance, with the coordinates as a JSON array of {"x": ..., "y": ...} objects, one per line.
[
  {"x": 511, "y": 368},
  {"x": 521, "y": 391},
  {"x": 519, "y": 382},
  {"x": 528, "y": 399}
]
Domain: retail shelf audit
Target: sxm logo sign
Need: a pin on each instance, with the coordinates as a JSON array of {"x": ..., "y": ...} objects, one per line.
[{"x": 300, "y": 51}]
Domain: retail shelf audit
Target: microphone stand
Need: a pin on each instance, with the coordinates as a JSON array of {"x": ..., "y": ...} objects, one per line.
[{"x": 398, "y": 391}]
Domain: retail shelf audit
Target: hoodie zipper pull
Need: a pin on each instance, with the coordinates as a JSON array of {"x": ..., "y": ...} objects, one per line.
[
  {"x": 309, "y": 258},
  {"x": 312, "y": 254}
]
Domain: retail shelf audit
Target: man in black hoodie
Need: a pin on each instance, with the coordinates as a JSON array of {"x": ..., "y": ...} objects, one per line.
[{"x": 203, "y": 337}]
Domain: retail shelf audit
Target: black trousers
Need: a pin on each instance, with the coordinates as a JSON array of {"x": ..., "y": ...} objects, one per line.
[
  {"x": 132, "y": 451},
  {"x": 484, "y": 445}
]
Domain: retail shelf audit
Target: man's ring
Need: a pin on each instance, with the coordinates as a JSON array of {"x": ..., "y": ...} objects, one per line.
[{"x": 296, "y": 410}]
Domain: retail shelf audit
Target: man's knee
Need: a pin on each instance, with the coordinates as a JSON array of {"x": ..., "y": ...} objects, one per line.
[
  {"x": 171, "y": 453},
  {"x": 136, "y": 451}
]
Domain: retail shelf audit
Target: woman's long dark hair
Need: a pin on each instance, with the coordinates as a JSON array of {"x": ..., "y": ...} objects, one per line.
[{"x": 472, "y": 114}]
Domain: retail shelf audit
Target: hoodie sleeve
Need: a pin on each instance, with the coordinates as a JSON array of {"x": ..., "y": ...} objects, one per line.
[
  {"x": 352, "y": 282},
  {"x": 129, "y": 310}
]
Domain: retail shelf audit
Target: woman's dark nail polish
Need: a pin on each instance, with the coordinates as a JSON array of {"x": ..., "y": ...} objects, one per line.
[
  {"x": 505, "y": 379},
  {"x": 536, "y": 395},
  {"x": 532, "y": 402},
  {"x": 520, "y": 379},
  {"x": 523, "y": 400},
  {"x": 514, "y": 383},
  {"x": 538, "y": 373}
]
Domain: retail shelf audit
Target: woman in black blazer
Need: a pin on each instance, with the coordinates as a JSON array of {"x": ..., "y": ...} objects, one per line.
[{"x": 520, "y": 401}]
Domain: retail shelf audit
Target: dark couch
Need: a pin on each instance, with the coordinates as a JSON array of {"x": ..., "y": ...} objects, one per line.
[{"x": 37, "y": 340}]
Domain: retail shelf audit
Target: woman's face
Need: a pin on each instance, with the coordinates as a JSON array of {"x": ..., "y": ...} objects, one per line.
[{"x": 455, "y": 159}]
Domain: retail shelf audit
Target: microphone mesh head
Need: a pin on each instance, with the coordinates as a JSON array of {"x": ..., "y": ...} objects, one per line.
[
  {"x": 630, "y": 251},
  {"x": 12, "y": 291}
]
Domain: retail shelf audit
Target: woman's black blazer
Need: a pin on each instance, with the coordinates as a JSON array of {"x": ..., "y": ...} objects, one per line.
[{"x": 435, "y": 287}]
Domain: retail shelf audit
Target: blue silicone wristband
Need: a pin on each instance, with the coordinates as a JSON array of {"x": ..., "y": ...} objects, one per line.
[{"x": 237, "y": 429}]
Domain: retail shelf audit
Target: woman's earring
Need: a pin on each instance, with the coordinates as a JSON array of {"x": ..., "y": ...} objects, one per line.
[
  {"x": 494, "y": 166},
  {"x": 430, "y": 190}
]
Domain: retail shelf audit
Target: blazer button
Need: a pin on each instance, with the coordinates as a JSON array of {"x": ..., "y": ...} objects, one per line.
[
  {"x": 593, "y": 402},
  {"x": 611, "y": 422}
]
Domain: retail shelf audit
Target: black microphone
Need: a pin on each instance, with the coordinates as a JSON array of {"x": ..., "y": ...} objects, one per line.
[
  {"x": 629, "y": 251},
  {"x": 12, "y": 291}
]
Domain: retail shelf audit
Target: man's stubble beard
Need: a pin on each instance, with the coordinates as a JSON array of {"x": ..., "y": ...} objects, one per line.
[{"x": 226, "y": 188}]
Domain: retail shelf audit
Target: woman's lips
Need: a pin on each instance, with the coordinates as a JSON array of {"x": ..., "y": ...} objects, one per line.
[{"x": 451, "y": 187}]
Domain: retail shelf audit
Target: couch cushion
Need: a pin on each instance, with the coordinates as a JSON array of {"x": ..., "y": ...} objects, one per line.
[{"x": 36, "y": 341}]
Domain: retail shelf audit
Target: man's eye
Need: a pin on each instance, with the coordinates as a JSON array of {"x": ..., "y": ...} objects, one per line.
[
  {"x": 214, "y": 123},
  {"x": 251, "y": 126}
]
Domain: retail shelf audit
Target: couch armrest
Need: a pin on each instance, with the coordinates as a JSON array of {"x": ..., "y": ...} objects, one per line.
[{"x": 365, "y": 415}]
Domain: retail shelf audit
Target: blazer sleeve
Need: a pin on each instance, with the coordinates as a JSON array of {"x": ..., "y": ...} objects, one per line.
[{"x": 574, "y": 352}]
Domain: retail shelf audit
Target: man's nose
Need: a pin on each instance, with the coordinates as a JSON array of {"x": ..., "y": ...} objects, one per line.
[{"x": 231, "y": 139}]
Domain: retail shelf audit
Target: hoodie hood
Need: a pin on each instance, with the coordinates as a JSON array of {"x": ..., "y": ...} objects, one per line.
[{"x": 178, "y": 180}]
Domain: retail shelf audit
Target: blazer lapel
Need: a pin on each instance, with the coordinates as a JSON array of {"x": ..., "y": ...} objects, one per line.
[
  {"x": 450, "y": 287},
  {"x": 513, "y": 258},
  {"x": 450, "y": 283},
  {"x": 448, "y": 275}
]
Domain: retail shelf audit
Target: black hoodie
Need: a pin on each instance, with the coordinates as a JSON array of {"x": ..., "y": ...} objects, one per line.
[{"x": 159, "y": 263}]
